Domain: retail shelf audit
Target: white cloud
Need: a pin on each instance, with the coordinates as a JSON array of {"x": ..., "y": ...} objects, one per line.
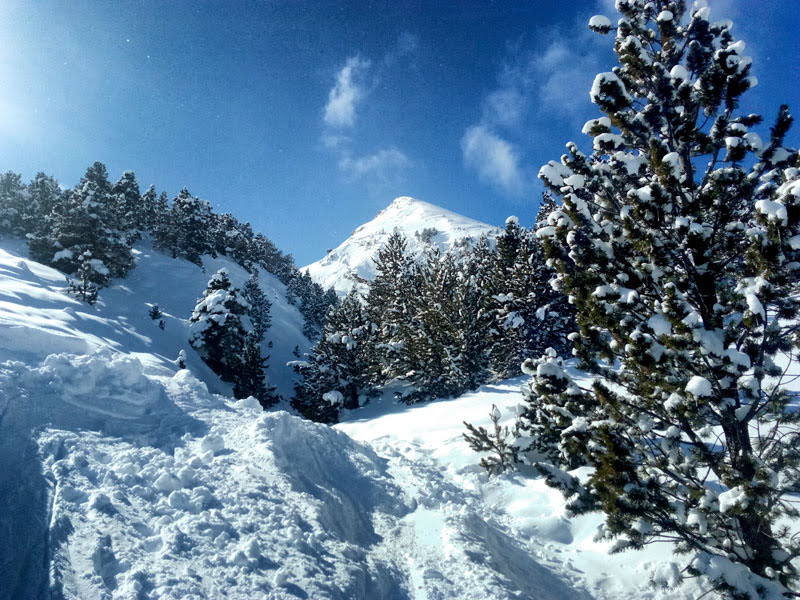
[
  {"x": 340, "y": 111},
  {"x": 355, "y": 81},
  {"x": 495, "y": 159},
  {"x": 385, "y": 164}
]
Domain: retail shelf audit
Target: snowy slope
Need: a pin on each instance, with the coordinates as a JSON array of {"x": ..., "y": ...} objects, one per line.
[
  {"x": 124, "y": 477},
  {"x": 350, "y": 264},
  {"x": 36, "y": 316}
]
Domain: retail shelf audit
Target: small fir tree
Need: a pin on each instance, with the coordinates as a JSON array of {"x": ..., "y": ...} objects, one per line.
[
  {"x": 128, "y": 206},
  {"x": 216, "y": 328},
  {"x": 89, "y": 271},
  {"x": 336, "y": 375},
  {"x": 250, "y": 378},
  {"x": 259, "y": 306},
  {"x": 156, "y": 315}
]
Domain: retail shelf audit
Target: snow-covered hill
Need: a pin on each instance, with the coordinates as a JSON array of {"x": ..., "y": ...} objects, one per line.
[
  {"x": 37, "y": 317},
  {"x": 423, "y": 224}
]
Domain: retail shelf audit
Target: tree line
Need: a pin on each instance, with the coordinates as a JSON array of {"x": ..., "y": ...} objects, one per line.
[
  {"x": 437, "y": 326},
  {"x": 88, "y": 233}
]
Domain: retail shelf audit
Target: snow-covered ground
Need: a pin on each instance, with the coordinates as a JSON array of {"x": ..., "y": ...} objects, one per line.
[
  {"x": 424, "y": 225},
  {"x": 122, "y": 476},
  {"x": 37, "y": 318}
]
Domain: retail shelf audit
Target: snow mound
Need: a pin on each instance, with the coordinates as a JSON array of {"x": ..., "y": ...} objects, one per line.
[{"x": 424, "y": 225}]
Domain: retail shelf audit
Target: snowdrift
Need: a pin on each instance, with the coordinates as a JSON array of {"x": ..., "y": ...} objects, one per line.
[{"x": 37, "y": 318}]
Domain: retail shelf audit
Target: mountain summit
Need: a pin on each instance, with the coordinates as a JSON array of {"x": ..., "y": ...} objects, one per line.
[{"x": 425, "y": 225}]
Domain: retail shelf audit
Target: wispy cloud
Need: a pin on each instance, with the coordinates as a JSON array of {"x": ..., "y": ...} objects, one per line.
[
  {"x": 505, "y": 106},
  {"x": 354, "y": 84},
  {"x": 548, "y": 80},
  {"x": 564, "y": 74},
  {"x": 348, "y": 91},
  {"x": 405, "y": 45},
  {"x": 495, "y": 159},
  {"x": 385, "y": 165}
]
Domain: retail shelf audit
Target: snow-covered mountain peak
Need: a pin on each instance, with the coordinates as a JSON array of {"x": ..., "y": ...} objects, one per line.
[{"x": 425, "y": 225}]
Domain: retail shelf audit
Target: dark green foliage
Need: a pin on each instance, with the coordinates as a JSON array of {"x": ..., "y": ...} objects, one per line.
[
  {"x": 44, "y": 195},
  {"x": 674, "y": 242},
  {"x": 312, "y": 301},
  {"x": 86, "y": 221},
  {"x": 444, "y": 341},
  {"x": 217, "y": 331},
  {"x": 387, "y": 306},
  {"x": 258, "y": 306},
  {"x": 186, "y": 231},
  {"x": 530, "y": 316},
  {"x": 504, "y": 455},
  {"x": 156, "y": 315},
  {"x": 128, "y": 206},
  {"x": 336, "y": 375},
  {"x": 250, "y": 379},
  {"x": 13, "y": 201},
  {"x": 219, "y": 335},
  {"x": 84, "y": 287}
]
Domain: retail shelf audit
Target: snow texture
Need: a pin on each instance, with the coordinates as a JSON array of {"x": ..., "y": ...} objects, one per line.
[{"x": 699, "y": 387}]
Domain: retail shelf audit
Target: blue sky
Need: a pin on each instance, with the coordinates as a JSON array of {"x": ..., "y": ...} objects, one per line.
[{"x": 307, "y": 118}]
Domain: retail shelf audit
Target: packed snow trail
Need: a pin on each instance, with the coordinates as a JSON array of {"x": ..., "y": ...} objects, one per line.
[{"x": 151, "y": 487}]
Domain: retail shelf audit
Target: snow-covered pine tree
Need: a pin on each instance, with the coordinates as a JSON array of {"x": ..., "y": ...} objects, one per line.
[
  {"x": 387, "y": 305},
  {"x": 259, "y": 306},
  {"x": 511, "y": 305},
  {"x": 530, "y": 315},
  {"x": 264, "y": 252},
  {"x": 13, "y": 198},
  {"x": 232, "y": 238},
  {"x": 86, "y": 221},
  {"x": 677, "y": 242},
  {"x": 250, "y": 378},
  {"x": 129, "y": 206},
  {"x": 159, "y": 215},
  {"x": 186, "y": 230},
  {"x": 312, "y": 300},
  {"x": 149, "y": 211},
  {"x": 338, "y": 371},
  {"x": 156, "y": 314},
  {"x": 444, "y": 340},
  {"x": 216, "y": 330},
  {"x": 89, "y": 271},
  {"x": 44, "y": 195}
]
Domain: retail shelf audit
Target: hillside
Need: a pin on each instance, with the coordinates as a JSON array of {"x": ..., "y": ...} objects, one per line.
[
  {"x": 37, "y": 318},
  {"x": 126, "y": 477},
  {"x": 424, "y": 225}
]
